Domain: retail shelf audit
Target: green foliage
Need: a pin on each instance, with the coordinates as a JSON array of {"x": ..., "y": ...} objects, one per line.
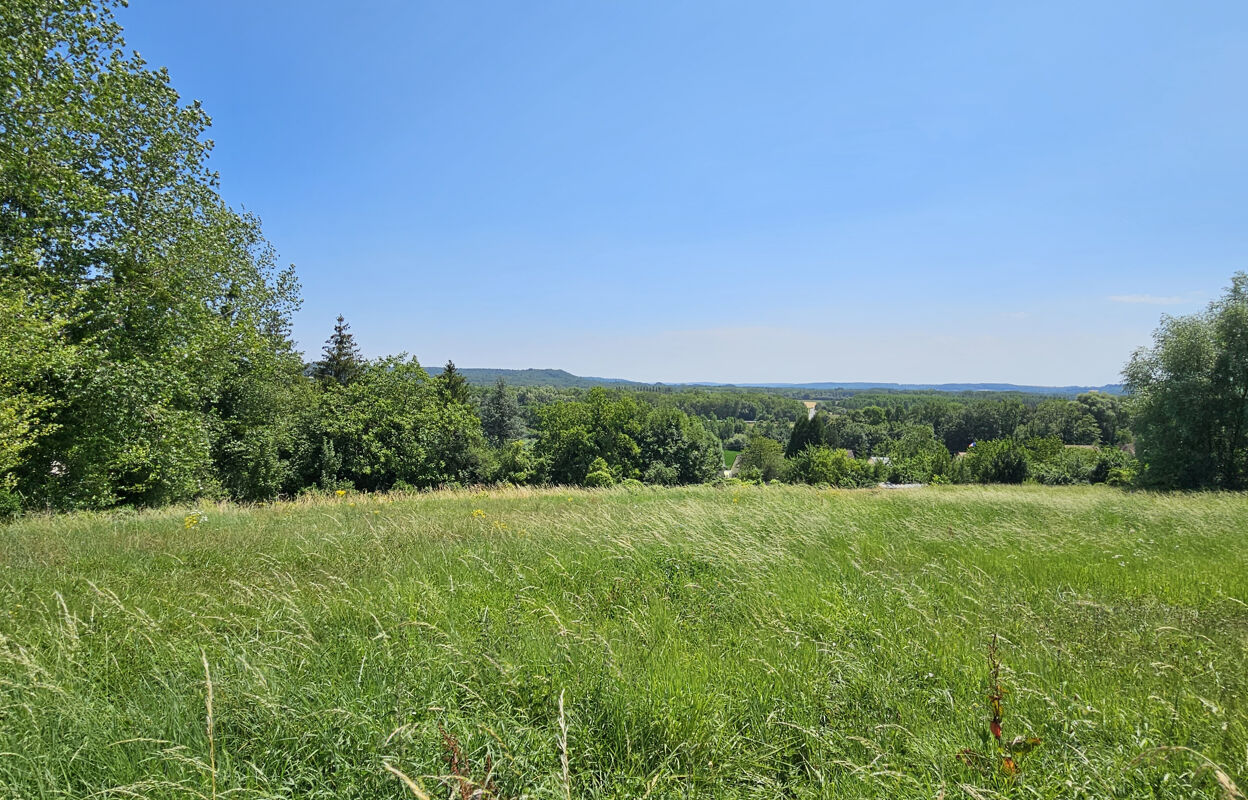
[
  {"x": 515, "y": 463},
  {"x": 659, "y": 445},
  {"x": 500, "y": 415},
  {"x": 1190, "y": 396},
  {"x": 821, "y": 465},
  {"x": 10, "y": 505},
  {"x": 917, "y": 456},
  {"x": 341, "y": 361},
  {"x": 451, "y": 385},
  {"x": 157, "y": 304},
  {"x": 997, "y": 461},
  {"x": 599, "y": 474},
  {"x": 1068, "y": 421},
  {"x": 390, "y": 425},
  {"x": 762, "y": 459}
]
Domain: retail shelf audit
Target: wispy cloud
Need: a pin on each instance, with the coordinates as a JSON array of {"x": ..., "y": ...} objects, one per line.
[{"x": 1150, "y": 299}]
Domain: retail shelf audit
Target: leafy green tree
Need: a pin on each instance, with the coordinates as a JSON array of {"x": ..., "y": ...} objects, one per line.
[
  {"x": 515, "y": 463},
  {"x": 821, "y": 465},
  {"x": 762, "y": 457},
  {"x": 389, "y": 427},
  {"x": 917, "y": 456},
  {"x": 341, "y": 361},
  {"x": 997, "y": 461},
  {"x": 1109, "y": 412},
  {"x": 500, "y": 415},
  {"x": 160, "y": 300},
  {"x": 1067, "y": 420},
  {"x": 678, "y": 449},
  {"x": 1190, "y": 396}
]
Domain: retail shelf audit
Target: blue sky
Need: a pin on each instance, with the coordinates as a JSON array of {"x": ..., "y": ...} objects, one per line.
[{"x": 914, "y": 192}]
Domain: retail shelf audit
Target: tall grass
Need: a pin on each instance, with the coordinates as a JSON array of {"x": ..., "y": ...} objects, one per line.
[{"x": 702, "y": 642}]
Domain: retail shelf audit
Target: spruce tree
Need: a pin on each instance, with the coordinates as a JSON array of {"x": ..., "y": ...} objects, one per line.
[
  {"x": 340, "y": 360},
  {"x": 452, "y": 385}
]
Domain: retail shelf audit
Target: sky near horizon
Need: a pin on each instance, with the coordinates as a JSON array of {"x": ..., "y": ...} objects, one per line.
[{"x": 737, "y": 192}]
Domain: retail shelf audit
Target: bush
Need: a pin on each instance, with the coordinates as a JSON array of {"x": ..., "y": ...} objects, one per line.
[
  {"x": 599, "y": 474},
  {"x": 662, "y": 474},
  {"x": 763, "y": 458},
  {"x": 10, "y": 505},
  {"x": 997, "y": 461},
  {"x": 824, "y": 465}
]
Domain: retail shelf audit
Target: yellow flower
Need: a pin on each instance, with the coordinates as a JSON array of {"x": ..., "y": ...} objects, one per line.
[
  {"x": 193, "y": 519},
  {"x": 341, "y": 492},
  {"x": 478, "y": 513}
]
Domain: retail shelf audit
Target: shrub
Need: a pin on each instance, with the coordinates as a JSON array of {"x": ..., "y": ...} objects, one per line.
[
  {"x": 10, "y": 505},
  {"x": 997, "y": 461},
  {"x": 824, "y": 465},
  {"x": 662, "y": 474},
  {"x": 763, "y": 458},
  {"x": 599, "y": 474}
]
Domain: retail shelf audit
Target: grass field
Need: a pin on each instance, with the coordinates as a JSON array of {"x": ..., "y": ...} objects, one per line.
[
  {"x": 729, "y": 457},
  {"x": 703, "y": 642}
]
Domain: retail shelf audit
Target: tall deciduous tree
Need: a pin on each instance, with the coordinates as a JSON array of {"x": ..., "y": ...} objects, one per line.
[
  {"x": 1190, "y": 394},
  {"x": 164, "y": 307}
]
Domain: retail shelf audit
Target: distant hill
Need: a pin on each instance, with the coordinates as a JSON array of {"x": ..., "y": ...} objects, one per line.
[
  {"x": 1111, "y": 388},
  {"x": 481, "y": 376}
]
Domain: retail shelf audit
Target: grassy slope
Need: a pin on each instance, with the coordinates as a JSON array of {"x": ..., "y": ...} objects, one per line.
[{"x": 707, "y": 642}]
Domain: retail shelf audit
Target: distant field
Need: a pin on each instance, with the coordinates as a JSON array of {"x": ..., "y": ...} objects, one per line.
[
  {"x": 703, "y": 642},
  {"x": 729, "y": 457}
]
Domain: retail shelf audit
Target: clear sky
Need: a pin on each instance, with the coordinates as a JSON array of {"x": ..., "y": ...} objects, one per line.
[{"x": 766, "y": 191}]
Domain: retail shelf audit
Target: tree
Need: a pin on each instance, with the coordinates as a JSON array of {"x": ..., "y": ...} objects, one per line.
[
  {"x": 762, "y": 457},
  {"x": 677, "y": 448},
  {"x": 1190, "y": 396},
  {"x": 997, "y": 461},
  {"x": 819, "y": 464},
  {"x": 500, "y": 415},
  {"x": 340, "y": 359},
  {"x": 163, "y": 306},
  {"x": 452, "y": 386}
]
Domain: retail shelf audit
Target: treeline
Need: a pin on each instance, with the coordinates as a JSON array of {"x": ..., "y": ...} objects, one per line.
[{"x": 146, "y": 357}]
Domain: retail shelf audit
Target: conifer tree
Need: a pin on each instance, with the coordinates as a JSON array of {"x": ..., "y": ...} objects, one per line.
[
  {"x": 452, "y": 385},
  {"x": 340, "y": 360},
  {"x": 799, "y": 437}
]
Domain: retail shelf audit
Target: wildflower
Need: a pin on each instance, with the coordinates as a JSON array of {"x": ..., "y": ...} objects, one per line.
[
  {"x": 341, "y": 492},
  {"x": 478, "y": 513},
  {"x": 192, "y": 519}
]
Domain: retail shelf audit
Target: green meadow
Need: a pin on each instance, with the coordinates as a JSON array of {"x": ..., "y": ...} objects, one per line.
[{"x": 705, "y": 642}]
